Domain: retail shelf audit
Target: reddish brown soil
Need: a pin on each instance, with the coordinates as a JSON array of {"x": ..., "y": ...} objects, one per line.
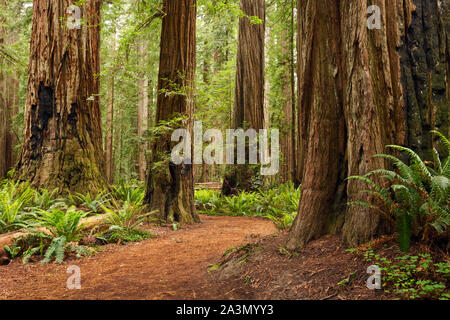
[
  {"x": 269, "y": 272},
  {"x": 174, "y": 265}
]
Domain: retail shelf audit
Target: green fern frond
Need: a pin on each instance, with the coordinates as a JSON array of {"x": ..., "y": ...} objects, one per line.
[{"x": 415, "y": 158}]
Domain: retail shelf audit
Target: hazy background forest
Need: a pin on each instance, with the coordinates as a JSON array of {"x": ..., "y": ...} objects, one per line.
[
  {"x": 130, "y": 37},
  {"x": 357, "y": 89}
]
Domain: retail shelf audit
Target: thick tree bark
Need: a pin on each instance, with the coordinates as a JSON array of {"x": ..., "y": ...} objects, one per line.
[
  {"x": 351, "y": 104},
  {"x": 321, "y": 126},
  {"x": 249, "y": 94},
  {"x": 170, "y": 187},
  {"x": 424, "y": 62},
  {"x": 62, "y": 141}
]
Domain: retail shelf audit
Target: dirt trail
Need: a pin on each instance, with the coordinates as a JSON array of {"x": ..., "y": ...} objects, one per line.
[{"x": 172, "y": 266}]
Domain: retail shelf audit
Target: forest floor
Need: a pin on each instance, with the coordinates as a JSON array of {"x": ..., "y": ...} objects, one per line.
[{"x": 184, "y": 264}]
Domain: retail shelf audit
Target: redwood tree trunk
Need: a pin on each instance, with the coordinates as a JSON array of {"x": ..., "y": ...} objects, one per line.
[
  {"x": 8, "y": 104},
  {"x": 170, "y": 187},
  {"x": 321, "y": 125},
  {"x": 424, "y": 64},
  {"x": 3, "y": 108},
  {"x": 249, "y": 94},
  {"x": 142, "y": 125},
  {"x": 62, "y": 141},
  {"x": 352, "y": 103},
  {"x": 109, "y": 159},
  {"x": 287, "y": 170},
  {"x": 109, "y": 149}
]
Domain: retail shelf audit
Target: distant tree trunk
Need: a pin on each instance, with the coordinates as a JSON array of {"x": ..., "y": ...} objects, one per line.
[
  {"x": 3, "y": 108},
  {"x": 9, "y": 87},
  {"x": 351, "y": 104},
  {"x": 142, "y": 125},
  {"x": 11, "y": 103},
  {"x": 170, "y": 187},
  {"x": 62, "y": 141},
  {"x": 205, "y": 175},
  {"x": 287, "y": 172},
  {"x": 249, "y": 94},
  {"x": 110, "y": 133},
  {"x": 151, "y": 98},
  {"x": 109, "y": 153},
  {"x": 118, "y": 146},
  {"x": 292, "y": 51}
]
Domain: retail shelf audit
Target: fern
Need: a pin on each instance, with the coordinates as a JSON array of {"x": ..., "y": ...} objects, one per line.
[
  {"x": 404, "y": 231},
  {"x": 416, "y": 196},
  {"x": 56, "y": 250}
]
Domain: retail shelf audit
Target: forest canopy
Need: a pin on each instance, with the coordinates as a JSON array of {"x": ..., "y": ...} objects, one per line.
[{"x": 328, "y": 118}]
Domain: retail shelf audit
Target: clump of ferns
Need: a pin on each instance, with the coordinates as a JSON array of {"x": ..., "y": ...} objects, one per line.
[{"x": 415, "y": 197}]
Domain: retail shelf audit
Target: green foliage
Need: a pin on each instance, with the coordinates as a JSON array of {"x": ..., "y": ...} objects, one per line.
[
  {"x": 411, "y": 277},
  {"x": 46, "y": 199},
  {"x": 12, "y": 251},
  {"x": 60, "y": 223},
  {"x": 416, "y": 196},
  {"x": 207, "y": 200},
  {"x": 124, "y": 237},
  {"x": 279, "y": 204},
  {"x": 132, "y": 193},
  {"x": 14, "y": 198},
  {"x": 93, "y": 203},
  {"x": 123, "y": 222},
  {"x": 63, "y": 232}
]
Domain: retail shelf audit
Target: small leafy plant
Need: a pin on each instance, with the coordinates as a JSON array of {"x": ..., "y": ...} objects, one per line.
[
  {"x": 92, "y": 203},
  {"x": 123, "y": 222},
  {"x": 411, "y": 276},
  {"x": 46, "y": 199},
  {"x": 279, "y": 204},
  {"x": 132, "y": 193}
]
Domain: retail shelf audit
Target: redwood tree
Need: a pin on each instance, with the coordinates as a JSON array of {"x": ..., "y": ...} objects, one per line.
[
  {"x": 354, "y": 98},
  {"x": 3, "y": 106},
  {"x": 170, "y": 187},
  {"x": 142, "y": 120},
  {"x": 62, "y": 141},
  {"x": 8, "y": 97},
  {"x": 249, "y": 92}
]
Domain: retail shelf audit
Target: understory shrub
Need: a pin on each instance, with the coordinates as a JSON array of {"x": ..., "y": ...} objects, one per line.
[
  {"x": 132, "y": 193},
  {"x": 52, "y": 226},
  {"x": 63, "y": 232},
  {"x": 415, "y": 197},
  {"x": 279, "y": 204},
  {"x": 15, "y": 197},
  {"x": 124, "y": 221}
]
